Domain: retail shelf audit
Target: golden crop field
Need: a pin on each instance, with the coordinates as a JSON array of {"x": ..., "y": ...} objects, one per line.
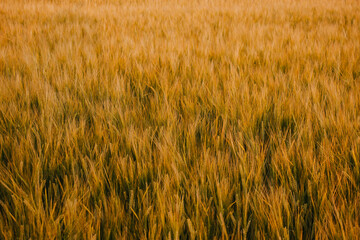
[{"x": 179, "y": 119}]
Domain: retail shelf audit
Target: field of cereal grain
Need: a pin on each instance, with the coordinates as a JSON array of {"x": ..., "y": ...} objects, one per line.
[{"x": 179, "y": 119}]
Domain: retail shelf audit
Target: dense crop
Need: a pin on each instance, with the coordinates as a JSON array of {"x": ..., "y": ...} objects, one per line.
[{"x": 179, "y": 119}]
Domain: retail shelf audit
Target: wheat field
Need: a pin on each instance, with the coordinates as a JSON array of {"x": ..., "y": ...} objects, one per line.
[{"x": 180, "y": 119}]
